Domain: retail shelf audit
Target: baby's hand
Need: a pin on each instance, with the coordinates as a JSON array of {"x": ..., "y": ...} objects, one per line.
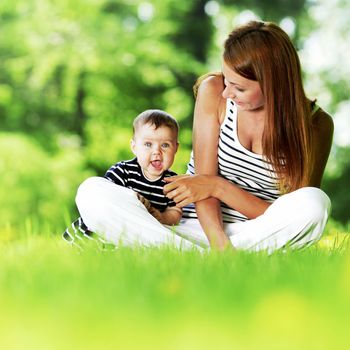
[{"x": 144, "y": 201}]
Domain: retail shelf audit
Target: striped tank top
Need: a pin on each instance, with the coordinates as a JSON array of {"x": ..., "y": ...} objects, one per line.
[{"x": 245, "y": 169}]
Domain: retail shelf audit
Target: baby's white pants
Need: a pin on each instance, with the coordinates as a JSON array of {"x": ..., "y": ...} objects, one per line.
[{"x": 295, "y": 220}]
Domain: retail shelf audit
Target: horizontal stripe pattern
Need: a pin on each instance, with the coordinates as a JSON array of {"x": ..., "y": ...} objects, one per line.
[
  {"x": 247, "y": 170},
  {"x": 79, "y": 236},
  {"x": 129, "y": 174}
]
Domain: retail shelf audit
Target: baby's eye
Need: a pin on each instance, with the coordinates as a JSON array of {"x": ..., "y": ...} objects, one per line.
[
  {"x": 148, "y": 144},
  {"x": 165, "y": 145}
]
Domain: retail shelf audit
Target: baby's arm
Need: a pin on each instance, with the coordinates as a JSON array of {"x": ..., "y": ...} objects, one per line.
[{"x": 170, "y": 216}]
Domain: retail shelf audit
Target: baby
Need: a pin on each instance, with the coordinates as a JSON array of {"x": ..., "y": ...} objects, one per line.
[{"x": 154, "y": 143}]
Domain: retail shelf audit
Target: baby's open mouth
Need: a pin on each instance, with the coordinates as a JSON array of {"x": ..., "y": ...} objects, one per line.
[{"x": 157, "y": 164}]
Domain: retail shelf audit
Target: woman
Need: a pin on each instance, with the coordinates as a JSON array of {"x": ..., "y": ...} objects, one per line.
[{"x": 259, "y": 152}]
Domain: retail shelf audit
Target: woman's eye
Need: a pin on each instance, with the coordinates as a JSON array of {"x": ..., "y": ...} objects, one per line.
[{"x": 240, "y": 89}]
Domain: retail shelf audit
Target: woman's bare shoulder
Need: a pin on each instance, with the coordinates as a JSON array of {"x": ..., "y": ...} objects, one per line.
[
  {"x": 209, "y": 98},
  {"x": 212, "y": 86}
]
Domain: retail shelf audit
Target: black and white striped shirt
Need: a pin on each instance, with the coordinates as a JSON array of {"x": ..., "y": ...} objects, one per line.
[
  {"x": 248, "y": 170},
  {"x": 128, "y": 174}
]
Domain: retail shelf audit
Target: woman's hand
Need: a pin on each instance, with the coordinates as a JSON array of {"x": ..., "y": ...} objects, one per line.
[{"x": 186, "y": 189}]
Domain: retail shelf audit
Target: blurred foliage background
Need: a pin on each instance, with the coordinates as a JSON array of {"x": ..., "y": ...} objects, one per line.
[{"x": 75, "y": 73}]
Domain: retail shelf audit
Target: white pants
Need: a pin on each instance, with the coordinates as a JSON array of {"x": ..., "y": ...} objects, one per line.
[{"x": 296, "y": 219}]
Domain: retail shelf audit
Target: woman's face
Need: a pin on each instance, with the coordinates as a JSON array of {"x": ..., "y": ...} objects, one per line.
[{"x": 245, "y": 93}]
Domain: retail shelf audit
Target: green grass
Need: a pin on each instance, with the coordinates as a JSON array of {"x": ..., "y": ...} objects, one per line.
[{"x": 54, "y": 297}]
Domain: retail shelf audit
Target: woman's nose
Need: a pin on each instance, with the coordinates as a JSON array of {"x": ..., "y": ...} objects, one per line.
[{"x": 228, "y": 93}]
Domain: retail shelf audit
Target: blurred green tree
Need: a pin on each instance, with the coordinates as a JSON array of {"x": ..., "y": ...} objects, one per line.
[
  {"x": 74, "y": 74},
  {"x": 336, "y": 185},
  {"x": 325, "y": 55}
]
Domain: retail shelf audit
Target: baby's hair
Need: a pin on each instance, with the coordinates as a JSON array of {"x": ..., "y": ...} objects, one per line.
[{"x": 157, "y": 118}]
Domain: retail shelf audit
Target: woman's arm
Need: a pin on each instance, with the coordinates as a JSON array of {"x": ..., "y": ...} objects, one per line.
[
  {"x": 192, "y": 189},
  {"x": 322, "y": 135},
  {"x": 206, "y": 128}
]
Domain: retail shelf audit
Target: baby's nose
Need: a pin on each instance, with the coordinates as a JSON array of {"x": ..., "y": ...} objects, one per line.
[{"x": 156, "y": 149}]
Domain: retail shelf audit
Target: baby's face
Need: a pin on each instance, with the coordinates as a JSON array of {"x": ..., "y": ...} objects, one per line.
[{"x": 155, "y": 149}]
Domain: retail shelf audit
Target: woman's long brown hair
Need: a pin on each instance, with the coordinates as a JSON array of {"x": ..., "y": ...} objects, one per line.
[{"x": 263, "y": 52}]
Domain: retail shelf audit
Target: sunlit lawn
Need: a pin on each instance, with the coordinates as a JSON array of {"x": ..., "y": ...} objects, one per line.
[{"x": 54, "y": 297}]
